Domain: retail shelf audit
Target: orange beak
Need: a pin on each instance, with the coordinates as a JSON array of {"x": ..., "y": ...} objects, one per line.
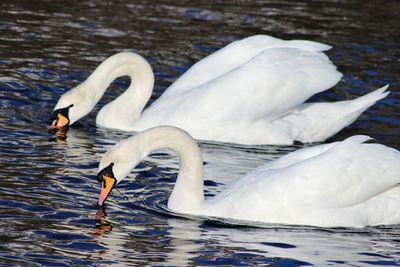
[
  {"x": 61, "y": 122},
  {"x": 107, "y": 185},
  {"x": 60, "y": 119}
]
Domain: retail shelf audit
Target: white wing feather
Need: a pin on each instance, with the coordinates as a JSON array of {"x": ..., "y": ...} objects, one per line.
[
  {"x": 336, "y": 175},
  {"x": 277, "y": 79},
  {"x": 234, "y": 55}
]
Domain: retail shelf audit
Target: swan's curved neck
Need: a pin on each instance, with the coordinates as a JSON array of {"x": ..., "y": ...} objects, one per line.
[
  {"x": 127, "y": 107},
  {"x": 187, "y": 194}
]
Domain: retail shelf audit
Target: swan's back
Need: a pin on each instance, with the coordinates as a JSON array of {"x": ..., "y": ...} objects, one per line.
[
  {"x": 339, "y": 184},
  {"x": 234, "y": 55}
]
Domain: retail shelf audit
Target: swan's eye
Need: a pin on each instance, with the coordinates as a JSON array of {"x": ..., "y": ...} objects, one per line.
[{"x": 107, "y": 171}]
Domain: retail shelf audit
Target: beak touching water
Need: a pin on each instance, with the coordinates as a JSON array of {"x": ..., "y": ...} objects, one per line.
[
  {"x": 108, "y": 181},
  {"x": 59, "y": 119}
]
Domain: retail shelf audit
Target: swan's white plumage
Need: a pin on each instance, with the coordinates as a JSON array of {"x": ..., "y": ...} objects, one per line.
[
  {"x": 234, "y": 55},
  {"x": 338, "y": 184},
  {"x": 251, "y": 91},
  {"x": 317, "y": 121},
  {"x": 257, "y": 89},
  {"x": 348, "y": 183}
]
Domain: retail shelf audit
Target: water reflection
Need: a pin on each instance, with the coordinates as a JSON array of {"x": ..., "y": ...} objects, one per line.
[
  {"x": 58, "y": 136},
  {"x": 102, "y": 226},
  {"x": 187, "y": 240}
]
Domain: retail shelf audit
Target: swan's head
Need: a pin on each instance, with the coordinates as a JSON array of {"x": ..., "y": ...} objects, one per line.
[
  {"x": 116, "y": 164},
  {"x": 71, "y": 106}
]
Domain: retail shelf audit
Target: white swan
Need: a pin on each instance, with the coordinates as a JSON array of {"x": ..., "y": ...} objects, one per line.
[
  {"x": 348, "y": 183},
  {"x": 251, "y": 91}
]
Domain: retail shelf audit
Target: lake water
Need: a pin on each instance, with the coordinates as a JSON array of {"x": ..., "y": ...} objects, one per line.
[{"x": 48, "y": 187}]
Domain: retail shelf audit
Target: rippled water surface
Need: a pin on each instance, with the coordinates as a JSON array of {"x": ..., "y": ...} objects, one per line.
[{"x": 48, "y": 188}]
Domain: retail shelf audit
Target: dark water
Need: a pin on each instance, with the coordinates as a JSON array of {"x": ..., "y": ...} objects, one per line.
[{"x": 48, "y": 189}]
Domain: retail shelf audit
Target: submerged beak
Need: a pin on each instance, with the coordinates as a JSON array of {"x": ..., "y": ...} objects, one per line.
[{"x": 107, "y": 184}]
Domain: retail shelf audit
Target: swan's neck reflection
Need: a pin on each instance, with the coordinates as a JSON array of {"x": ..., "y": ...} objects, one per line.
[
  {"x": 187, "y": 239},
  {"x": 185, "y": 242}
]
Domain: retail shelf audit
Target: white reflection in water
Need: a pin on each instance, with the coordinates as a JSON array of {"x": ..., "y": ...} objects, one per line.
[{"x": 189, "y": 239}]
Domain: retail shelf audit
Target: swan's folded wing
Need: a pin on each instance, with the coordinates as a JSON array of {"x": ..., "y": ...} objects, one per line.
[
  {"x": 347, "y": 174},
  {"x": 232, "y": 56},
  {"x": 268, "y": 85}
]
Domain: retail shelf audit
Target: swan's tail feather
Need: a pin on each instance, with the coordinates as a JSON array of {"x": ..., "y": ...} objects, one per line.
[
  {"x": 309, "y": 45},
  {"x": 315, "y": 122},
  {"x": 352, "y": 109},
  {"x": 359, "y": 139},
  {"x": 370, "y": 99}
]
